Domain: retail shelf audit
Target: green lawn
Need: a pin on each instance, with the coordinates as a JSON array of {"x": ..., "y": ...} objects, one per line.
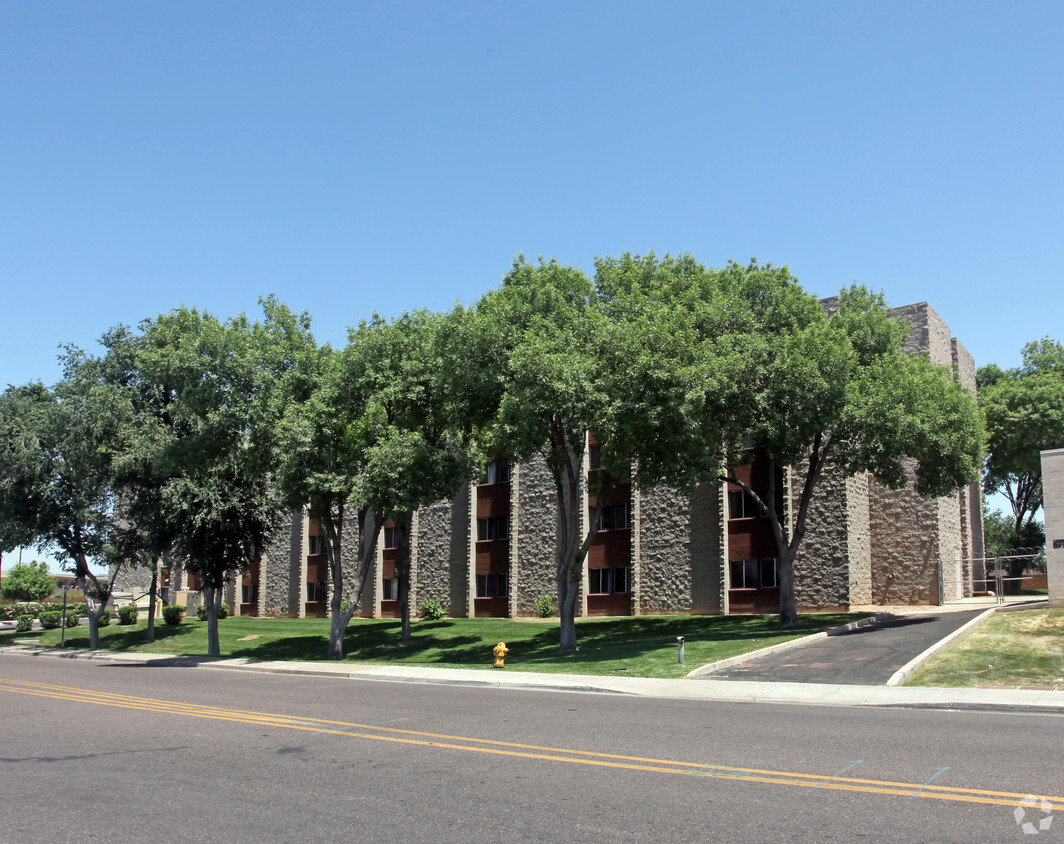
[
  {"x": 1020, "y": 648},
  {"x": 637, "y": 647}
]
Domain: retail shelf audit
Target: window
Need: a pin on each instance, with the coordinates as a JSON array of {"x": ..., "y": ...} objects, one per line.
[
  {"x": 598, "y": 582},
  {"x": 390, "y": 590},
  {"x": 493, "y": 527},
  {"x": 608, "y": 581},
  {"x": 754, "y": 574},
  {"x": 249, "y": 593},
  {"x": 615, "y": 516},
  {"x": 492, "y": 585},
  {"x": 392, "y": 535},
  {"x": 594, "y": 456},
  {"x": 496, "y": 472},
  {"x": 317, "y": 591},
  {"x": 317, "y": 544},
  {"x": 741, "y": 504},
  {"x": 770, "y": 574}
]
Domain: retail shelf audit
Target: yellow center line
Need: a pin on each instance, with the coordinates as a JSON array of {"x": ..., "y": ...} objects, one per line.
[{"x": 526, "y": 751}]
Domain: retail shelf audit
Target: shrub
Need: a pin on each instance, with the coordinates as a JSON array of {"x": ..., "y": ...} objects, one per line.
[
  {"x": 128, "y": 614},
  {"x": 432, "y": 610},
  {"x": 8, "y": 612},
  {"x": 23, "y": 623},
  {"x": 28, "y": 582},
  {"x": 51, "y": 620},
  {"x": 71, "y": 618},
  {"x": 104, "y": 619},
  {"x": 173, "y": 614},
  {"x": 223, "y": 611},
  {"x": 544, "y": 606}
]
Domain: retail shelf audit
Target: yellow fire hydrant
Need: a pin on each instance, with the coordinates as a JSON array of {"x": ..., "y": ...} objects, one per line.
[{"x": 500, "y": 651}]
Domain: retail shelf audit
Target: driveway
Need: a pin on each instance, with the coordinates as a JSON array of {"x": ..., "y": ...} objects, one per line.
[{"x": 867, "y": 656}]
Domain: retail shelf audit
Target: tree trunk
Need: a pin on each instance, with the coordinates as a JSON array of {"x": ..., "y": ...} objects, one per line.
[
  {"x": 788, "y": 606},
  {"x": 211, "y": 599},
  {"x": 149, "y": 634},
  {"x": 568, "y": 589}
]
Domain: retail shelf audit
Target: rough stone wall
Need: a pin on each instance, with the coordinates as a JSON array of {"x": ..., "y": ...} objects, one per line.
[
  {"x": 665, "y": 544},
  {"x": 442, "y": 551},
  {"x": 280, "y": 580},
  {"x": 905, "y": 546},
  {"x": 858, "y": 527},
  {"x": 928, "y": 333},
  {"x": 1053, "y": 510},
  {"x": 970, "y": 497},
  {"x": 534, "y": 522},
  {"x": 950, "y": 547},
  {"x": 822, "y": 566},
  {"x": 707, "y": 549}
]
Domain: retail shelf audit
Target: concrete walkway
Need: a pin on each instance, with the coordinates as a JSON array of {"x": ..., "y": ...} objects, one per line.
[{"x": 691, "y": 688}]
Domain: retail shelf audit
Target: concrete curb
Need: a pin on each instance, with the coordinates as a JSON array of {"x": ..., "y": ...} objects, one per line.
[{"x": 871, "y": 621}]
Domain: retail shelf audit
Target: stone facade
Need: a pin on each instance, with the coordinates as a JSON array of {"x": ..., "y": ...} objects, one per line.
[{"x": 1053, "y": 509}]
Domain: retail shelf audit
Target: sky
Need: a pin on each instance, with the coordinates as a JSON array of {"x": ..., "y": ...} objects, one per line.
[{"x": 353, "y": 157}]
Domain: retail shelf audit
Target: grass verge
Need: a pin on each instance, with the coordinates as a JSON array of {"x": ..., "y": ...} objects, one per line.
[
  {"x": 1019, "y": 648},
  {"x": 635, "y": 647}
]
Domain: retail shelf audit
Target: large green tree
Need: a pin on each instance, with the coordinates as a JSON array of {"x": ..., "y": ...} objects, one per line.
[
  {"x": 1024, "y": 412},
  {"x": 818, "y": 388},
  {"x": 422, "y": 390},
  {"x": 219, "y": 452},
  {"x": 611, "y": 356}
]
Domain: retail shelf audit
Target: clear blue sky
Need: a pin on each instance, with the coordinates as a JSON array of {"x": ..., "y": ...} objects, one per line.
[{"x": 361, "y": 156}]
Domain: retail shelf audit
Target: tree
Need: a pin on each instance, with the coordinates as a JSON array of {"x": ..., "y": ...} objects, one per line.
[
  {"x": 422, "y": 388},
  {"x": 218, "y": 455},
  {"x": 608, "y": 356},
  {"x": 815, "y": 390},
  {"x": 999, "y": 536},
  {"x": 1024, "y": 412},
  {"x": 319, "y": 463},
  {"x": 56, "y": 454},
  {"x": 29, "y": 582}
]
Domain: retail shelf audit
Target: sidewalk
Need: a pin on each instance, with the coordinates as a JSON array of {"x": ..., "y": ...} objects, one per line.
[{"x": 690, "y": 688}]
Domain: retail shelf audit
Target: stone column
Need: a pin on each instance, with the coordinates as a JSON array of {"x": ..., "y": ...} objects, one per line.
[{"x": 1053, "y": 510}]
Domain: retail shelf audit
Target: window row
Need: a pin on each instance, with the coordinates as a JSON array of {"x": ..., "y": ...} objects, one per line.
[
  {"x": 609, "y": 581},
  {"x": 493, "y": 527},
  {"x": 754, "y": 574},
  {"x": 741, "y": 504},
  {"x": 492, "y": 585},
  {"x": 317, "y": 544},
  {"x": 317, "y": 591}
]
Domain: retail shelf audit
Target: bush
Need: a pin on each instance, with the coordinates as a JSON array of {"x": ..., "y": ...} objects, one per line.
[
  {"x": 8, "y": 612},
  {"x": 128, "y": 614},
  {"x": 432, "y": 610},
  {"x": 28, "y": 582},
  {"x": 23, "y": 623},
  {"x": 71, "y": 618},
  {"x": 223, "y": 611},
  {"x": 51, "y": 620},
  {"x": 104, "y": 619},
  {"x": 82, "y": 609},
  {"x": 173, "y": 614},
  {"x": 544, "y": 606}
]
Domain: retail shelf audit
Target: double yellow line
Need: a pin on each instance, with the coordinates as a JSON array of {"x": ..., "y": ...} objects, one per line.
[{"x": 529, "y": 751}]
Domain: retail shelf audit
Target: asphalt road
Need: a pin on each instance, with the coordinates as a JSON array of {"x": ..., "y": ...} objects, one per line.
[
  {"x": 866, "y": 656},
  {"x": 127, "y": 753}
]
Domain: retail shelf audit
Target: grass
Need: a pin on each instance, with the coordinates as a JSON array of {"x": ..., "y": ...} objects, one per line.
[
  {"x": 636, "y": 647},
  {"x": 1020, "y": 648}
]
